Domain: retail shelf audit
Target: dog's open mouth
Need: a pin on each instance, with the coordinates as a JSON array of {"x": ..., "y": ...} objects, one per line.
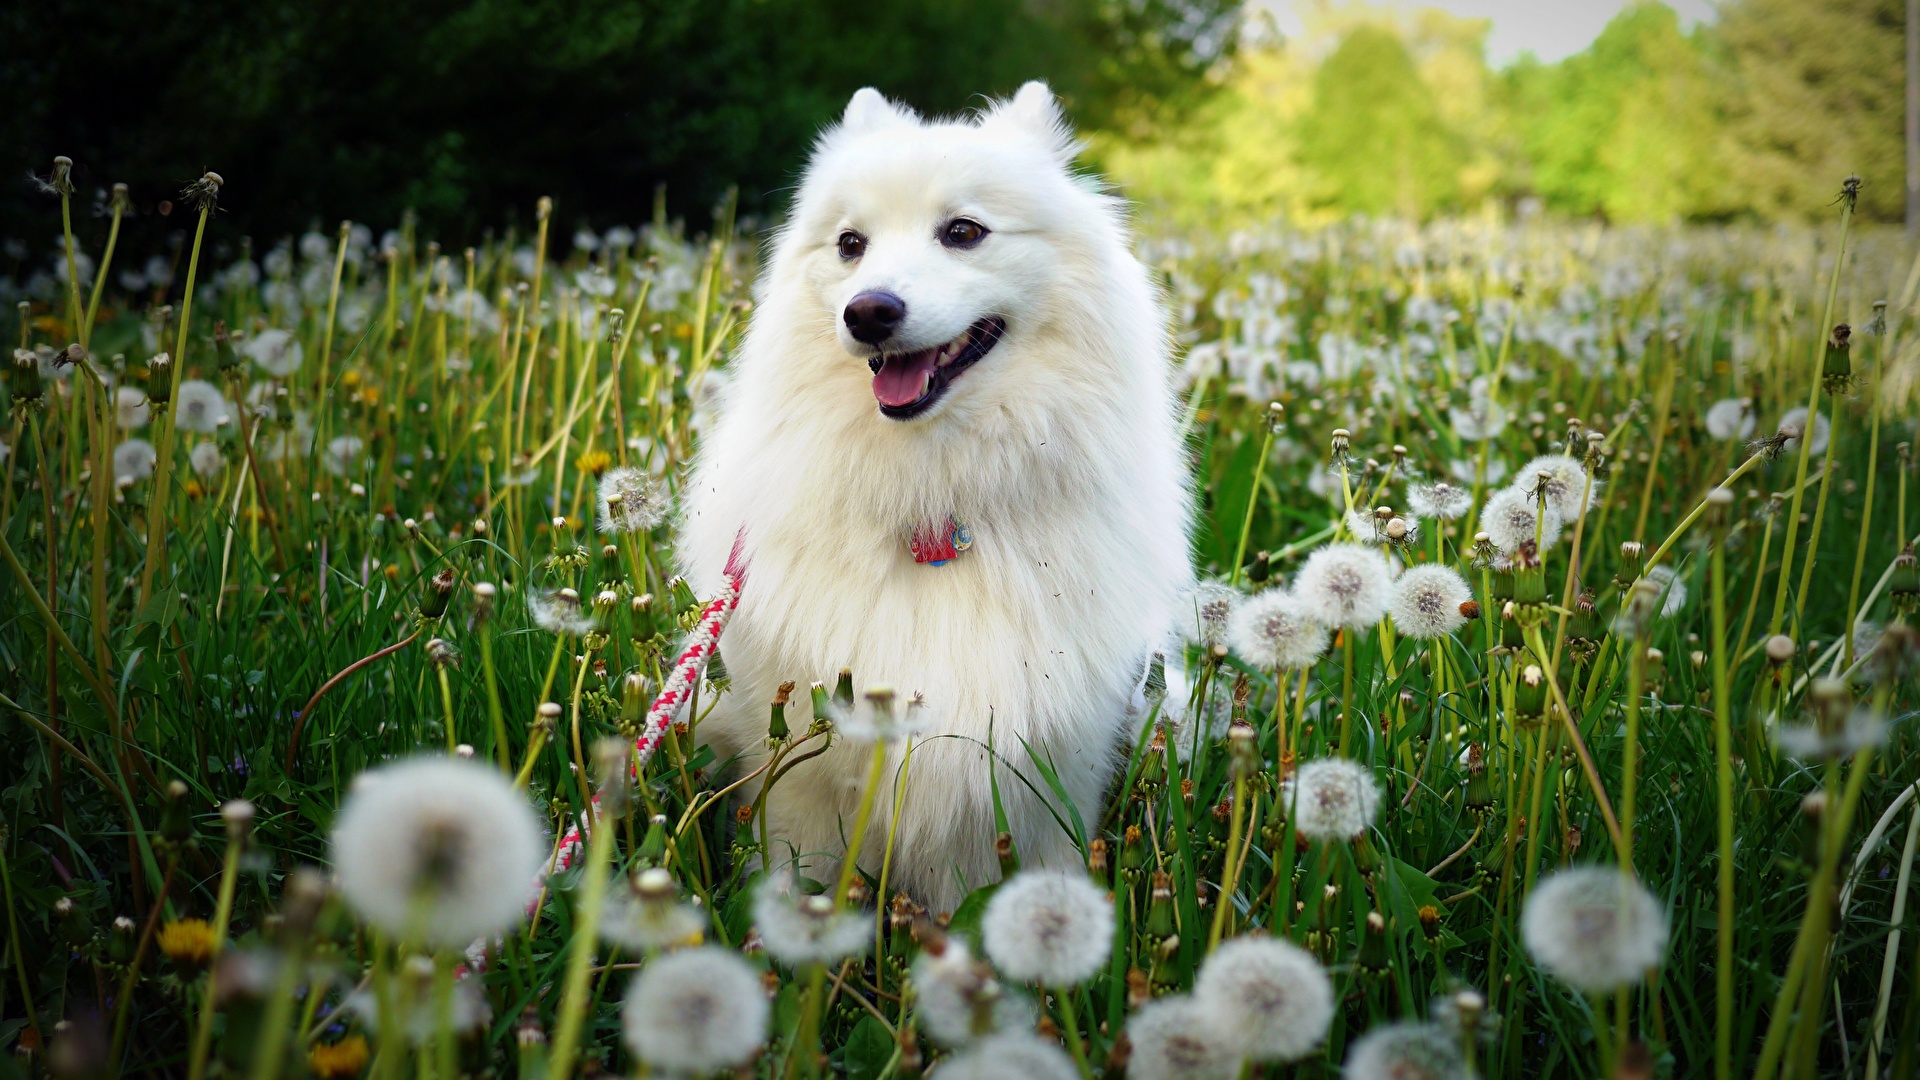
[{"x": 908, "y": 384}]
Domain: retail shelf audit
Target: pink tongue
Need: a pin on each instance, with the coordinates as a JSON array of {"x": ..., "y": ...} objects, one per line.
[{"x": 902, "y": 380}]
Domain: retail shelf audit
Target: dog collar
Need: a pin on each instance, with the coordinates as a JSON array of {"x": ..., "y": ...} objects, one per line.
[{"x": 934, "y": 544}]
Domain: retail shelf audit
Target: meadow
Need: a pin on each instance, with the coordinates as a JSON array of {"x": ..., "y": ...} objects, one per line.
[{"x": 1546, "y": 709}]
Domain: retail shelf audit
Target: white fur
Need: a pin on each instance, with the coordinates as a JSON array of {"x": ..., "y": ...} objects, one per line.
[{"x": 1059, "y": 448}]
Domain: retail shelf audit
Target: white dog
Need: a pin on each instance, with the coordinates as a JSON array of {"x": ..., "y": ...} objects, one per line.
[{"x": 949, "y": 453}]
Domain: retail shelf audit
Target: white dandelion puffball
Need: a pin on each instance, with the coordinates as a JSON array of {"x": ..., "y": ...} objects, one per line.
[
  {"x": 343, "y": 454},
  {"x": 1332, "y": 799},
  {"x": 798, "y": 929},
  {"x": 1206, "y": 613},
  {"x": 1512, "y": 518},
  {"x": 419, "y": 1017},
  {"x": 441, "y": 850},
  {"x": 649, "y": 915},
  {"x": 560, "y": 612},
  {"x": 1345, "y": 585},
  {"x": 1271, "y": 993},
  {"x": 1467, "y": 471},
  {"x": 1594, "y": 928},
  {"x": 1052, "y": 927},
  {"x": 1795, "y": 422},
  {"x": 878, "y": 715},
  {"x": 1406, "y": 1051},
  {"x": 1426, "y": 601},
  {"x": 630, "y": 501},
  {"x": 1275, "y": 631},
  {"x": 1730, "y": 418},
  {"x": 133, "y": 460},
  {"x": 130, "y": 409},
  {"x": 277, "y": 352},
  {"x": 206, "y": 460},
  {"x": 1671, "y": 590},
  {"x": 1440, "y": 500},
  {"x": 1369, "y": 528},
  {"x": 1009, "y": 1054},
  {"x": 200, "y": 406},
  {"x": 958, "y": 999},
  {"x": 1179, "y": 1038},
  {"x": 1570, "y": 491},
  {"x": 695, "y": 1011}
]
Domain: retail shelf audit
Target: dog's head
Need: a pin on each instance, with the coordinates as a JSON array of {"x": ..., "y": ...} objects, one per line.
[{"x": 934, "y": 253}]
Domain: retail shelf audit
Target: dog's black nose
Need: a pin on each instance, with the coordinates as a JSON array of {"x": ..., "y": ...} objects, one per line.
[{"x": 872, "y": 315}]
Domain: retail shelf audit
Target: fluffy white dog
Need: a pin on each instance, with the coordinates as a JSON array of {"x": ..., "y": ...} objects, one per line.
[{"x": 949, "y": 453}]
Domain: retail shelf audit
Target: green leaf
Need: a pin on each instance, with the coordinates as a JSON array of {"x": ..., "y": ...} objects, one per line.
[{"x": 868, "y": 1049}]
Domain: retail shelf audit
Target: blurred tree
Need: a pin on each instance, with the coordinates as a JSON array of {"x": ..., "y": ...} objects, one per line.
[
  {"x": 468, "y": 110},
  {"x": 1629, "y": 128},
  {"x": 1374, "y": 139},
  {"x": 1819, "y": 96}
]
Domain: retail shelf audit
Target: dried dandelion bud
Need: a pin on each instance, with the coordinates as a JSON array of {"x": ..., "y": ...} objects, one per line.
[{"x": 439, "y": 591}]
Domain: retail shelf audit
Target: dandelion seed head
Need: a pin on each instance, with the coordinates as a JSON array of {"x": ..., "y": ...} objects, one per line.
[
  {"x": 1794, "y": 424},
  {"x": 695, "y": 1011},
  {"x": 437, "y": 849},
  {"x": 1178, "y": 1038},
  {"x": 1511, "y": 517},
  {"x": 1007, "y": 1054},
  {"x": 1671, "y": 590},
  {"x": 798, "y": 929},
  {"x": 1426, "y": 601},
  {"x": 1594, "y": 928},
  {"x": 1271, "y": 993},
  {"x": 1570, "y": 491},
  {"x": 559, "y": 612},
  {"x": 1440, "y": 500},
  {"x": 206, "y": 460},
  {"x": 200, "y": 407},
  {"x": 343, "y": 454},
  {"x": 1274, "y": 630},
  {"x": 130, "y": 409},
  {"x": 630, "y": 501},
  {"x": 420, "y": 1019},
  {"x": 1049, "y": 927},
  {"x": 958, "y": 998},
  {"x": 276, "y": 352},
  {"x": 1345, "y": 584},
  {"x": 1730, "y": 418},
  {"x": 1208, "y": 610},
  {"x": 1406, "y": 1050},
  {"x": 1333, "y": 799},
  {"x": 133, "y": 460},
  {"x": 648, "y": 914}
]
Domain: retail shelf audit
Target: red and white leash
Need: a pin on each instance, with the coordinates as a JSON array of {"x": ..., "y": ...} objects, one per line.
[{"x": 674, "y": 694}]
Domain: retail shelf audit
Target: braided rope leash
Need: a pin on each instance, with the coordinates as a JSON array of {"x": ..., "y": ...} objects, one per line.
[{"x": 674, "y": 694}]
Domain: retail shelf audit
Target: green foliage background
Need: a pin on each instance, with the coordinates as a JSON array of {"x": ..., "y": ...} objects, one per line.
[
  {"x": 466, "y": 111},
  {"x": 1381, "y": 112}
]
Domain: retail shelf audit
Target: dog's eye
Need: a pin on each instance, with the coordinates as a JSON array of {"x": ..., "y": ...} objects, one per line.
[
  {"x": 963, "y": 233},
  {"x": 852, "y": 245}
]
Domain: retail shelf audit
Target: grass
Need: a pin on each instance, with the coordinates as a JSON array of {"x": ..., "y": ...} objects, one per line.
[{"x": 264, "y": 620}]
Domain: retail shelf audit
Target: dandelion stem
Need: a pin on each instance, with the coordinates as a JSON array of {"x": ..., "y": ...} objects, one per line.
[
  {"x": 586, "y": 935},
  {"x": 1819, "y": 518},
  {"x": 1723, "y": 787},
  {"x": 163, "y": 462},
  {"x": 1866, "y": 506},
  {"x": 223, "y": 913},
  {"x": 1806, "y": 435},
  {"x": 300, "y": 718}
]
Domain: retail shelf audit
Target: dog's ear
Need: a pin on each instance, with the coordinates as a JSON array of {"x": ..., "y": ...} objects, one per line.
[
  {"x": 1034, "y": 111},
  {"x": 869, "y": 110}
]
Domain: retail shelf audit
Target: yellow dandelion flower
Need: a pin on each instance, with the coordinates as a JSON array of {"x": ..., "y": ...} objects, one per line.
[
  {"x": 593, "y": 461},
  {"x": 336, "y": 1061},
  {"x": 188, "y": 942}
]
